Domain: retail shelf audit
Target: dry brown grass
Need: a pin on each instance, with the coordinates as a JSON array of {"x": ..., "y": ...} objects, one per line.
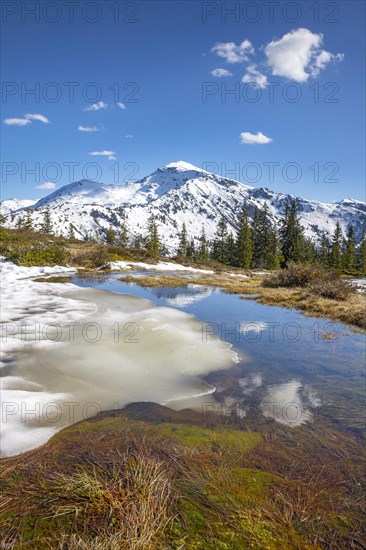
[
  {"x": 351, "y": 311},
  {"x": 133, "y": 496}
]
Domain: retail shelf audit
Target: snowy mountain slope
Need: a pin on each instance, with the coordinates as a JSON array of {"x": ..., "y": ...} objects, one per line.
[
  {"x": 177, "y": 193},
  {"x": 10, "y": 205}
]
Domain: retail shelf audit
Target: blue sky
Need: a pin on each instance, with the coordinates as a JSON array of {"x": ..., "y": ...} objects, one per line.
[{"x": 159, "y": 61}]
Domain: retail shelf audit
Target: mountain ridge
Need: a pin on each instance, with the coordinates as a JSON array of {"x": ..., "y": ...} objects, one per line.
[{"x": 176, "y": 193}]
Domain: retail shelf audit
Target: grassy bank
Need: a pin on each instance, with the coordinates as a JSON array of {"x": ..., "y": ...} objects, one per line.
[
  {"x": 152, "y": 478},
  {"x": 351, "y": 310}
]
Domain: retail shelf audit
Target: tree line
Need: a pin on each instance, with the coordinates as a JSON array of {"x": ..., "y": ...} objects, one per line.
[
  {"x": 261, "y": 244},
  {"x": 258, "y": 244}
]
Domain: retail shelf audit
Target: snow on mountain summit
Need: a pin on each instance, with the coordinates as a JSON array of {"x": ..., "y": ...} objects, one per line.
[
  {"x": 176, "y": 193},
  {"x": 181, "y": 165}
]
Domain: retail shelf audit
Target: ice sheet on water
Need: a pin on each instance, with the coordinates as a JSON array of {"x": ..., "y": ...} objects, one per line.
[{"x": 69, "y": 353}]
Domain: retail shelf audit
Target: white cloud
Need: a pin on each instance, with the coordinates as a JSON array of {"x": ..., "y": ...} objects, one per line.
[
  {"x": 128, "y": 136},
  {"x": 121, "y": 105},
  {"x": 109, "y": 154},
  {"x": 221, "y": 72},
  {"x": 47, "y": 185},
  {"x": 233, "y": 53},
  {"x": 40, "y": 118},
  {"x": 253, "y": 75},
  {"x": 16, "y": 121},
  {"x": 298, "y": 54},
  {"x": 96, "y": 106},
  {"x": 322, "y": 60},
  {"x": 258, "y": 138},
  {"x": 88, "y": 128}
]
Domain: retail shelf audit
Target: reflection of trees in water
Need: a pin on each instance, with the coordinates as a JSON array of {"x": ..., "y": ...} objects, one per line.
[
  {"x": 88, "y": 277},
  {"x": 181, "y": 296},
  {"x": 169, "y": 292}
]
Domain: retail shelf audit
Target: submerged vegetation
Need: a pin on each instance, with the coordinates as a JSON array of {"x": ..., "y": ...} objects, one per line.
[{"x": 149, "y": 477}]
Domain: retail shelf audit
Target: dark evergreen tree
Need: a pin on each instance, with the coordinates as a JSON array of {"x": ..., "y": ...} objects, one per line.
[
  {"x": 183, "y": 242},
  {"x": 349, "y": 258},
  {"x": 152, "y": 238},
  {"x": 47, "y": 223},
  {"x": 71, "y": 233},
  {"x": 230, "y": 251},
  {"x": 291, "y": 234},
  {"x": 219, "y": 245},
  {"x": 191, "y": 251},
  {"x": 203, "y": 249},
  {"x": 323, "y": 254},
  {"x": 361, "y": 256},
  {"x": 110, "y": 236},
  {"x": 20, "y": 222},
  {"x": 244, "y": 242},
  {"x": 123, "y": 236},
  {"x": 138, "y": 241},
  {"x": 273, "y": 251},
  {"x": 309, "y": 253},
  {"x": 28, "y": 220},
  {"x": 264, "y": 255},
  {"x": 336, "y": 247}
]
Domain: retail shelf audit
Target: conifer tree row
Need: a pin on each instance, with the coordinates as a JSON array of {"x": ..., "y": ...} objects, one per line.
[{"x": 261, "y": 245}]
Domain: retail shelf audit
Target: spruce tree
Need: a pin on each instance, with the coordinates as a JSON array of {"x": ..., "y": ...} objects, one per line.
[
  {"x": 361, "y": 256},
  {"x": 336, "y": 247},
  {"x": 324, "y": 251},
  {"x": 152, "y": 238},
  {"x": 291, "y": 234},
  {"x": 230, "y": 250},
  {"x": 244, "y": 242},
  {"x": 349, "y": 259},
  {"x": 191, "y": 251},
  {"x": 123, "y": 236},
  {"x": 219, "y": 245},
  {"x": 273, "y": 254},
  {"x": 138, "y": 241},
  {"x": 71, "y": 233},
  {"x": 183, "y": 242},
  {"x": 20, "y": 222},
  {"x": 308, "y": 251},
  {"x": 264, "y": 237},
  {"x": 47, "y": 223},
  {"x": 203, "y": 252},
  {"x": 28, "y": 220},
  {"x": 110, "y": 236}
]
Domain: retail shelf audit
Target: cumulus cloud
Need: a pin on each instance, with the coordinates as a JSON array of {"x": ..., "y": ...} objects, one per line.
[
  {"x": 221, "y": 72},
  {"x": 40, "y": 118},
  {"x": 47, "y": 185},
  {"x": 16, "y": 121},
  {"x": 258, "y": 138},
  {"x": 96, "y": 106},
  {"x": 322, "y": 59},
  {"x": 88, "y": 128},
  {"x": 233, "y": 53},
  {"x": 253, "y": 75},
  {"x": 128, "y": 136},
  {"x": 109, "y": 154},
  {"x": 121, "y": 105},
  {"x": 28, "y": 118},
  {"x": 298, "y": 55}
]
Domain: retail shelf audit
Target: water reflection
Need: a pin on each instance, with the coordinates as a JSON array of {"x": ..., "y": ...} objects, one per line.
[{"x": 286, "y": 357}]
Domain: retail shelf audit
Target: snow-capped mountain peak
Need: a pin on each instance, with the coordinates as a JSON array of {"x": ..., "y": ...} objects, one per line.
[
  {"x": 176, "y": 193},
  {"x": 181, "y": 166}
]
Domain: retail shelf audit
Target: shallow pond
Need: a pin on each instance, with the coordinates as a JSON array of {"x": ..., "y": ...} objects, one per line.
[{"x": 292, "y": 367}]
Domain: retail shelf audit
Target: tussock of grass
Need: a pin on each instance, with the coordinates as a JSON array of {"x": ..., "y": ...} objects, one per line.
[
  {"x": 132, "y": 496},
  {"x": 317, "y": 279},
  {"x": 123, "y": 482}
]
